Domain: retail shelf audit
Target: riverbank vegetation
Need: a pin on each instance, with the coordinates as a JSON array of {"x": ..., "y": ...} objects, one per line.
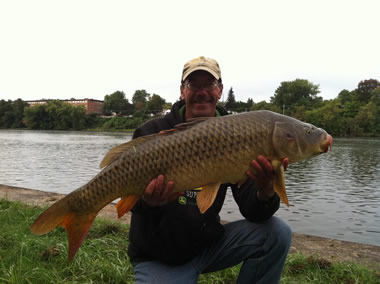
[
  {"x": 351, "y": 113},
  {"x": 26, "y": 258}
]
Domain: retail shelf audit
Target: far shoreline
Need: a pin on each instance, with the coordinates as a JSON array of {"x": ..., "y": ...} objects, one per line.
[{"x": 132, "y": 130}]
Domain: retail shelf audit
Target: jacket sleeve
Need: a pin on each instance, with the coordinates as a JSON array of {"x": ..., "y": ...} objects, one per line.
[{"x": 250, "y": 207}]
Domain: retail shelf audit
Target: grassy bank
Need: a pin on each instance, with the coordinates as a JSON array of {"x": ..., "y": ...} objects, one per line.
[{"x": 25, "y": 258}]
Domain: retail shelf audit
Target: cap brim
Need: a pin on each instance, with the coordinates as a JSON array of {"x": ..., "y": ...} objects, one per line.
[{"x": 204, "y": 68}]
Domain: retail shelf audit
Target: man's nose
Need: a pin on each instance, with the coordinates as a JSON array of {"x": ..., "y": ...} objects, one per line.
[{"x": 202, "y": 92}]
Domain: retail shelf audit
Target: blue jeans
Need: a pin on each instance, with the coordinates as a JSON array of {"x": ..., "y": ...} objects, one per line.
[{"x": 262, "y": 247}]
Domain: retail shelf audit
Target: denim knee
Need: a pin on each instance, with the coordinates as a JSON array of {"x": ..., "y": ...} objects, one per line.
[{"x": 282, "y": 232}]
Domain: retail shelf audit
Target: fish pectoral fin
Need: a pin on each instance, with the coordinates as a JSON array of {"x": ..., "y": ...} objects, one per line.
[
  {"x": 125, "y": 204},
  {"x": 206, "y": 196},
  {"x": 279, "y": 181},
  {"x": 77, "y": 227}
]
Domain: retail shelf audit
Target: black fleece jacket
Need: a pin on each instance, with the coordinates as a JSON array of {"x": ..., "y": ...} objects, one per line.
[{"x": 177, "y": 232}]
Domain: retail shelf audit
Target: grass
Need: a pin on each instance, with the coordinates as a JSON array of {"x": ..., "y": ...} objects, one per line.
[{"x": 26, "y": 258}]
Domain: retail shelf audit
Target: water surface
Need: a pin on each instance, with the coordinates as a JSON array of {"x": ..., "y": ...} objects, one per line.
[{"x": 334, "y": 195}]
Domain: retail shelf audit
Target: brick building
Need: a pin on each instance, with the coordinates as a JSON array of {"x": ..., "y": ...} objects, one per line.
[{"x": 92, "y": 106}]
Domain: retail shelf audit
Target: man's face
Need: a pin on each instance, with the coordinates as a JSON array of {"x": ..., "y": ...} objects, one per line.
[{"x": 201, "y": 91}]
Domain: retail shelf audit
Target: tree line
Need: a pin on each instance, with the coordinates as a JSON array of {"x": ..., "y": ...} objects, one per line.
[
  {"x": 57, "y": 115},
  {"x": 351, "y": 113}
]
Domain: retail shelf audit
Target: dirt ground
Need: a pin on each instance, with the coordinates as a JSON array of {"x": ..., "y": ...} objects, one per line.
[{"x": 328, "y": 249}]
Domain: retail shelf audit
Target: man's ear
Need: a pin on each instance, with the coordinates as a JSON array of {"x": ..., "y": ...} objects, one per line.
[
  {"x": 221, "y": 91},
  {"x": 182, "y": 89}
]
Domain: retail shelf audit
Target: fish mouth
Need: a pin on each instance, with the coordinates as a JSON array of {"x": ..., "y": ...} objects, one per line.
[{"x": 327, "y": 144}]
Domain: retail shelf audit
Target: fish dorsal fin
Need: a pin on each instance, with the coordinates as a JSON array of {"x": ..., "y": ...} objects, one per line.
[
  {"x": 185, "y": 125},
  {"x": 206, "y": 196},
  {"x": 117, "y": 151},
  {"x": 279, "y": 181}
]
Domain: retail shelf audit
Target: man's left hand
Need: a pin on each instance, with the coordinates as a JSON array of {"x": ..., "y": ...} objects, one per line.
[{"x": 262, "y": 173}]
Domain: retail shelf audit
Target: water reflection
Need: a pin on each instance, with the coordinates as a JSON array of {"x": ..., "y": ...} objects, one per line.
[{"x": 334, "y": 195}]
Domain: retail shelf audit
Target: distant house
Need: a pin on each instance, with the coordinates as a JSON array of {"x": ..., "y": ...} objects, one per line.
[{"x": 92, "y": 106}]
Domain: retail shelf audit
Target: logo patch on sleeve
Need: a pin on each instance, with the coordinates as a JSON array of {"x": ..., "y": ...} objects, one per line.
[{"x": 182, "y": 200}]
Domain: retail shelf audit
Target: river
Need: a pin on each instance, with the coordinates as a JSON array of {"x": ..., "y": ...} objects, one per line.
[{"x": 335, "y": 195}]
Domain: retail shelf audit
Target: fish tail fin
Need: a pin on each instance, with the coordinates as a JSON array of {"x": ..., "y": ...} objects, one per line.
[
  {"x": 59, "y": 214},
  {"x": 77, "y": 227},
  {"x": 51, "y": 218}
]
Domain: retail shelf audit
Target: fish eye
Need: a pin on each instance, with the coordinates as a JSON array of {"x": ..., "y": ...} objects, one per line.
[{"x": 308, "y": 130}]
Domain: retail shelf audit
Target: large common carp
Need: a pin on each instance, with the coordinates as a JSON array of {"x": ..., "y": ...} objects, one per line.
[{"x": 205, "y": 152}]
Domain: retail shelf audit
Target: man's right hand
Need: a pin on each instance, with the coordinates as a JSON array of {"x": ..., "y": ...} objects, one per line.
[{"x": 157, "y": 194}]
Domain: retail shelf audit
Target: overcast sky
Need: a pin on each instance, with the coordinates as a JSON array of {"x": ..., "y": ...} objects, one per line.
[{"x": 88, "y": 49}]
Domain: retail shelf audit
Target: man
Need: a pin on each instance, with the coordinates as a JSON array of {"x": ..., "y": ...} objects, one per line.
[{"x": 172, "y": 242}]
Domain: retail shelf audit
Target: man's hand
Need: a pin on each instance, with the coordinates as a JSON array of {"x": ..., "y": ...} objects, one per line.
[
  {"x": 262, "y": 173},
  {"x": 157, "y": 194}
]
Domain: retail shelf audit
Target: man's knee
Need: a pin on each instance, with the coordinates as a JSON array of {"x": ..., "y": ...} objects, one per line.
[{"x": 282, "y": 233}]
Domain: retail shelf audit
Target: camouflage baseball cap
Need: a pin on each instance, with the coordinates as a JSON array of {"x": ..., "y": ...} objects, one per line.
[{"x": 201, "y": 63}]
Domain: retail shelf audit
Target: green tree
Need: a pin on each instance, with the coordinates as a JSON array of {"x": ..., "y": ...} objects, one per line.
[
  {"x": 167, "y": 106},
  {"x": 78, "y": 117},
  {"x": 6, "y": 118},
  {"x": 155, "y": 104},
  {"x": 295, "y": 93},
  {"x": 329, "y": 117},
  {"x": 18, "y": 107},
  {"x": 63, "y": 116},
  {"x": 36, "y": 117},
  {"x": 242, "y": 106},
  {"x": 375, "y": 99},
  {"x": 231, "y": 102},
  {"x": 349, "y": 103},
  {"x": 52, "y": 108},
  {"x": 365, "y": 88},
  {"x": 12, "y": 113},
  {"x": 367, "y": 120},
  {"x": 350, "y": 108},
  {"x": 263, "y": 105},
  {"x": 117, "y": 103},
  {"x": 346, "y": 96},
  {"x": 139, "y": 100},
  {"x": 250, "y": 103},
  {"x": 55, "y": 115}
]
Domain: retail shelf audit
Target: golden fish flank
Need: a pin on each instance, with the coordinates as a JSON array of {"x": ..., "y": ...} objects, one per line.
[{"x": 205, "y": 153}]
